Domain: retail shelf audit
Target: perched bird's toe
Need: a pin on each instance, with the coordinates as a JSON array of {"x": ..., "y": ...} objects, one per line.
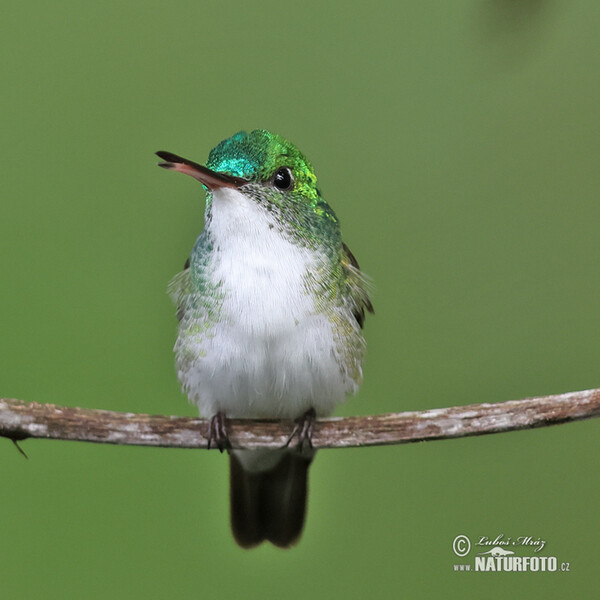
[
  {"x": 217, "y": 433},
  {"x": 303, "y": 430}
]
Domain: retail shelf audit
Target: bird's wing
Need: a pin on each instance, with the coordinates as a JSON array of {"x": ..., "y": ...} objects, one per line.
[
  {"x": 179, "y": 288},
  {"x": 359, "y": 285}
]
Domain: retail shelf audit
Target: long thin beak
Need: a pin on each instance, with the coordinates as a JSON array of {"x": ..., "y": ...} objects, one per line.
[{"x": 211, "y": 179}]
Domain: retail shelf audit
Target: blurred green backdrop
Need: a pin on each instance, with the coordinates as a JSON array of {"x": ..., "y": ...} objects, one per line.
[{"x": 458, "y": 142}]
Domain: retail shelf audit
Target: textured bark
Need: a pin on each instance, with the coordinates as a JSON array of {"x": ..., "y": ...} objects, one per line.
[{"x": 21, "y": 420}]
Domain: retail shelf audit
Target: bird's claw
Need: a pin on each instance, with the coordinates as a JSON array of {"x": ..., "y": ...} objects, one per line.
[
  {"x": 303, "y": 430},
  {"x": 217, "y": 433}
]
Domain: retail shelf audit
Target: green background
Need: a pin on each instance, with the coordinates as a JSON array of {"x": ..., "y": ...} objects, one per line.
[{"x": 457, "y": 141}]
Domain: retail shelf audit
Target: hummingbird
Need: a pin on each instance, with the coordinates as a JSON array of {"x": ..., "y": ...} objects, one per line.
[{"x": 271, "y": 305}]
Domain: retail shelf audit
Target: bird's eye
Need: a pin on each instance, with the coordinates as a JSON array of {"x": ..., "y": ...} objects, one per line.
[{"x": 283, "y": 179}]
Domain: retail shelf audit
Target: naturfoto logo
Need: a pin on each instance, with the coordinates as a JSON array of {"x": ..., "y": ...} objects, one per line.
[{"x": 500, "y": 554}]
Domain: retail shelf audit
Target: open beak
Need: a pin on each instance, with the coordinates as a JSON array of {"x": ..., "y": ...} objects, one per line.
[{"x": 211, "y": 179}]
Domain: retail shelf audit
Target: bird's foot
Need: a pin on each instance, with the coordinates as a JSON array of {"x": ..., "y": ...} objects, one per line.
[
  {"x": 303, "y": 430},
  {"x": 217, "y": 433}
]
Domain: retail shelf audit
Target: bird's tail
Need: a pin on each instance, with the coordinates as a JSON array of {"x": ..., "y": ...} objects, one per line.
[{"x": 268, "y": 503}]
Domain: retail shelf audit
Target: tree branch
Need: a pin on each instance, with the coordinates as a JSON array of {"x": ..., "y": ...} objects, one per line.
[{"x": 21, "y": 420}]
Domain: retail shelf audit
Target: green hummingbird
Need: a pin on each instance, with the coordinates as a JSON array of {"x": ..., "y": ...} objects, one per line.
[{"x": 271, "y": 305}]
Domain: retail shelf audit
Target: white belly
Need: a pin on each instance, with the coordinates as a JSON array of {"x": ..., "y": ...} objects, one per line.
[{"x": 267, "y": 376}]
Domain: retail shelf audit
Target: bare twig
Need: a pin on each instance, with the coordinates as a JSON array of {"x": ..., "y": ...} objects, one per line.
[{"x": 20, "y": 420}]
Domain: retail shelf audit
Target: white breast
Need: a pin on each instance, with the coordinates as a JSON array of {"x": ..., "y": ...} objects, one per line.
[{"x": 262, "y": 272}]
